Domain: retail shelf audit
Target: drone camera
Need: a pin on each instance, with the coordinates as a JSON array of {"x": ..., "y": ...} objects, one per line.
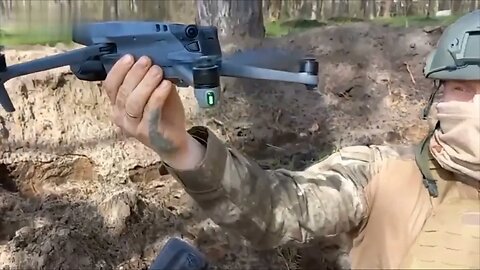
[
  {"x": 191, "y": 31},
  {"x": 206, "y": 84}
]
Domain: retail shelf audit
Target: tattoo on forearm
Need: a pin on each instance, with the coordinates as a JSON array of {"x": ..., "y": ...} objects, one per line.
[{"x": 158, "y": 141}]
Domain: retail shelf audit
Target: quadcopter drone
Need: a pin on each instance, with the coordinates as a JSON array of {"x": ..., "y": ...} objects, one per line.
[{"x": 189, "y": 54}]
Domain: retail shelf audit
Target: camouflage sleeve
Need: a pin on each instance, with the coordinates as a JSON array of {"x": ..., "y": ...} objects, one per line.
[{"x": 276, "y": 207}]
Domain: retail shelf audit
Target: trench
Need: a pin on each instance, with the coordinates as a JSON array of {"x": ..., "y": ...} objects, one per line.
[
  {"x": 50, "y": 210},
  {"x": 28, "y": 178},
  {"x": 8, "y": 181}
]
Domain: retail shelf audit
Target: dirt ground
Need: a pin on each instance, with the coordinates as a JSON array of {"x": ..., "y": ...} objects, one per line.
[{"x": 74, "y": 194}]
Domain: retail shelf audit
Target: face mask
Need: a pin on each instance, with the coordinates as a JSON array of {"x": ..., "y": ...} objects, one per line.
[{"x": 456, "y": 143}]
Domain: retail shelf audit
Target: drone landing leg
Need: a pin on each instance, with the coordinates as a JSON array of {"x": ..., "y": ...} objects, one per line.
[{"x": 5, "y": 100}]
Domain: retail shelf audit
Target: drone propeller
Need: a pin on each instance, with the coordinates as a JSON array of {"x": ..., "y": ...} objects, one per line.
[
  {"x": 5, "y": 100},
  {"x": 262, "y": 63},
  {"x": 42, "y": 64}
]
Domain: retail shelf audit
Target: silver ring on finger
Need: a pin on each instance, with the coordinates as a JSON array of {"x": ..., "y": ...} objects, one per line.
[{"x": 131, "y": 116}]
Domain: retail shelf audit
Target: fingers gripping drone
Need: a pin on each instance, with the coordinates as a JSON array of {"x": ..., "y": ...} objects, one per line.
[{"x": 189, "y": 55}]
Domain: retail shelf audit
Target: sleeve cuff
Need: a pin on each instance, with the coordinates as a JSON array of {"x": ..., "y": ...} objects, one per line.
[{"x": 208, "y": 175}]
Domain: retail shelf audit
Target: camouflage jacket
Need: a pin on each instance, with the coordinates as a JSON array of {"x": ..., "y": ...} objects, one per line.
[{"x": 270, "y": 208}]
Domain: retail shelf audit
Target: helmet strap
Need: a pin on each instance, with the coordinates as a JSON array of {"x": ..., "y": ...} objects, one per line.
[{"x": 437, "y": 84}]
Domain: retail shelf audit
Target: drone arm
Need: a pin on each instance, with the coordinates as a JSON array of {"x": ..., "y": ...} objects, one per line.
[
  {"x": 5, "y": 99},
  {"x": 55, "y": 61},
  {"x": 243, "y": 71}
]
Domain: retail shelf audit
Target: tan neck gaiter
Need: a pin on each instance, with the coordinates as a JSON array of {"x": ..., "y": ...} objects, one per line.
[{"x": 456, "y": 143}]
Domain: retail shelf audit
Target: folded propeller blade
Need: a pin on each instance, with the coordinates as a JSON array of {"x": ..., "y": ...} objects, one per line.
[
  {"x": 273, "y": 58},
  {"x": 5, "y": 100}
]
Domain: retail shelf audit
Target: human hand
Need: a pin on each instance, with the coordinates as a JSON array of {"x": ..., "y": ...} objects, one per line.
[{"x": 147, "y": 107}]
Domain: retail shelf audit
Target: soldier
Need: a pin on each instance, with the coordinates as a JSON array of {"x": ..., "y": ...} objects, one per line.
[{"x": 402, "y": 206}]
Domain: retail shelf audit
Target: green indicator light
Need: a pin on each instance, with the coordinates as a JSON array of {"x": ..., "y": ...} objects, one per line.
[{"x": 210, "y": 98}]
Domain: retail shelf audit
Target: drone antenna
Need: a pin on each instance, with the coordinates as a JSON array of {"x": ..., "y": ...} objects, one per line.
[{"x": 5, "y": 100}]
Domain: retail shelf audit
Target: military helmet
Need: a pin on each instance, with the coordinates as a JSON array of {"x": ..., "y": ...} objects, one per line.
[{"x": 457, "y": 56}]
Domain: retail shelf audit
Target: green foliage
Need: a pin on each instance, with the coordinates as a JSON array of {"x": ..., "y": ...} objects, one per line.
[
  {"x": 278, "y": 29},
  {"x": 416, "y": 21},
  {"x": 282, "y": 28},
  {"x": 40, "y": 35},
  {"x": 303, "y": 24},
  {"x": 342, "y": 19}
]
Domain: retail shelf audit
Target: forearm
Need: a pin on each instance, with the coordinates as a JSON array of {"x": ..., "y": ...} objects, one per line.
[
  {"x": 269, "y": 208},
  {"x": 188, "y": 158}
]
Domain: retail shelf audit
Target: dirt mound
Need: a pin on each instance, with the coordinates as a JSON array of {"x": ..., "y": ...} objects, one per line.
[
  {"x": 372, "y": 91},
  {"x": 75, "y": 194}
]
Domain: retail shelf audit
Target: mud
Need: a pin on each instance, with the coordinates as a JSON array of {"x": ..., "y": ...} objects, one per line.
[{"x": 77, "y": 194}]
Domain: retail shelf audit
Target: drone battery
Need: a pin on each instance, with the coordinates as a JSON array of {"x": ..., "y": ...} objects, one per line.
[{"x": 206, "y": 84}]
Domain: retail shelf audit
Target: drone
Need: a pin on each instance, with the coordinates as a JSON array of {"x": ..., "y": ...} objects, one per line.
[{"x": 189, "y": 55}]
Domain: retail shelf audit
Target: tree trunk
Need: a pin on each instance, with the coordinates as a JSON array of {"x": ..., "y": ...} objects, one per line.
[
  {"x": 344, "y": 8},
  {"x": 266, "y": 7},
  {"x": 444, "y": 4},
  {"x": 232, "y": 18},
  {"x": 334, "y": 9},
  {"x": 295, "y": 10},
  {"x": 432, "y": 8},
  {"x": 3, "y": 10},
  {"x": 106, "y": 10},
  {"x": 320, "y": 10},
  {"x": 369, "y": 9},
  {"x": 28, "y": 11},
  {"x": 456, "y": 6},
  {"x": 363, "y": 6},
  {"x": 473, "y": 5},
  {"x": 274, "y": 10},
  {"x": 387, "y": 5},
  {"x": 115, "y": 10},
  {"x": 313, "y": 12},
  {"x": 409, "y": 8},
  {"x": 306, "y": 10}
]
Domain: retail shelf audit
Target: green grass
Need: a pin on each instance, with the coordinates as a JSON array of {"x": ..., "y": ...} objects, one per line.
[
  {"x": 42, "y": 36},
  {"x": 281, "y": 28},
  {"x": 416, "y": 21},
  {"x": 277, "y": 29}
]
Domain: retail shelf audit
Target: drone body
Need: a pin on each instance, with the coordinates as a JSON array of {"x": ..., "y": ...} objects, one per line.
[{"x": 189, "y": 55}]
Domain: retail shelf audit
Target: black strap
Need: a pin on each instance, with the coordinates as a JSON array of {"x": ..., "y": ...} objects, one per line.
[
  {"x": 422, "y": 159},
  {"x": 426, "y": 110}
]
